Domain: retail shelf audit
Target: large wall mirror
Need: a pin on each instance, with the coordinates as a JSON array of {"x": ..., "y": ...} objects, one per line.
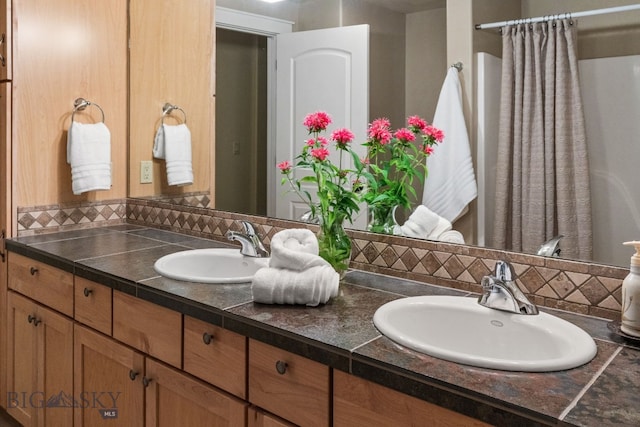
[{"x": 407, "y": 65}]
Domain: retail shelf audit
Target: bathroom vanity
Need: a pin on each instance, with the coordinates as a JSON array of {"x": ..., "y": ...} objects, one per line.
[{"x": 92, "y": 324}]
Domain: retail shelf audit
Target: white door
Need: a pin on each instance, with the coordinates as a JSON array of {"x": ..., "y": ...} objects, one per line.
[{"x": 321, "y": 70}]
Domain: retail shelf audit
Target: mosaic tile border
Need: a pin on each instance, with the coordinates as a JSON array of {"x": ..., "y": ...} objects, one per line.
[
  {"x": 580, "y": 287},
  {"x": 52, "y": 218}
]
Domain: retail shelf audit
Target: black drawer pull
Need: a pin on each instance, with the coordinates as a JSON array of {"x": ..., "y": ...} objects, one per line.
[
  {"x": 281, "y": 367},
  {"x": 33, "y": 271},
  {"x": 133, "y": 374},
  {"x": 207, "y": 338},
  {"x": 34, "y": 320},
  {"x": 146, "y": 381},
  {"x": 87, "y": 292}
]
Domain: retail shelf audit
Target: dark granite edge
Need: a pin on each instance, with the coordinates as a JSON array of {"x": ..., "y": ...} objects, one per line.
[
  {"x": 39, "y": 255},
  {"x": 180, "y": 304},
  {"x": 311, "y": 349},
  {"x": 446, "y": 395},
  {"x": 112, "y": 281}
]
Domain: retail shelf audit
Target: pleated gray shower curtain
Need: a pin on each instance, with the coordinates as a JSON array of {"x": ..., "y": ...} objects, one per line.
[{"x": 542, "y": 179}]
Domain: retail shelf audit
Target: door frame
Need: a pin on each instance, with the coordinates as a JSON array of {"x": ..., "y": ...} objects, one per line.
[{"x": 268, "y": 27}]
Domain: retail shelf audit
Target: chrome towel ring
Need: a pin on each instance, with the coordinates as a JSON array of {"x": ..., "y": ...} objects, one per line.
[
  {"x": 80, "y": 104},
  {"x": 168, "y": 108}
]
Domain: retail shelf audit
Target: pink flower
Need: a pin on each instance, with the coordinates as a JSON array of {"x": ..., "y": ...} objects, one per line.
[
  {"x": 342, "y": 137},
  {"x": 405, "y": 135},
  {"x": 434, "y": 133},
  {"x": 379, "y": 131},
  {"x": 365, "y": 161},
  {"x": 285, "y": 167},
  {"x": 428, "y": 150},
  {"x": 323, "y": 141},
  {"x": 320, "y": 154},
  {"x": 318, "y": 121},
  {"x": 416, "y": 123},
  {"x": 311, "y": 142}
]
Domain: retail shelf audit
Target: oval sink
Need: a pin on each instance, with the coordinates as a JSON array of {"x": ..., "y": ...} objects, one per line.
[
  {"x": 213, "y": 265},
  {"x": 460, "y": 330}
]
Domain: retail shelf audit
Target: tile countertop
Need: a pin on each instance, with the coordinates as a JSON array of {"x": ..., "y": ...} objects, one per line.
[{"x": 341, "y": 333}]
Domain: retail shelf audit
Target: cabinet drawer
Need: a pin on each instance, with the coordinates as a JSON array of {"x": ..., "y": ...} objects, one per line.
[
  {"x": 150, "y": 328},
  {"x": 215, "y": 355},
  {"x": 46, "y": 284},
  {"x": 290, "y": 386},
  {"x": 93, "y": 304}
]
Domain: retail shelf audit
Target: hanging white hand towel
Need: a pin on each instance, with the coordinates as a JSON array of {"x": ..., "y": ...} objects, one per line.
[
  {"x": 451, "y": 183},
  {"x": 89, "y": 154},
  {"x": 173, "y": 143}
]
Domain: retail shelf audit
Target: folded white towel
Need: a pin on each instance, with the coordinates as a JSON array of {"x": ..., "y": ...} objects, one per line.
[
  {"x": 295, "y": 249},
  {"x": 89, "y": 154},
  {"x": 451, "y": 236},
  {"x": 311, "y": 287},
  {"x": 423, "y": 223},
  {"x": 173, "y": 143},
  {"x": 451, "y": 183}
]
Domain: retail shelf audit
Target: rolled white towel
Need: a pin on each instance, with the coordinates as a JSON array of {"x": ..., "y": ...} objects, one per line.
[
  {"x": 451, "y": 236},
  {"x": 282, "y": 286},
  {"x": 423, "y": 223},
  {"x": 295, "y": 249}
]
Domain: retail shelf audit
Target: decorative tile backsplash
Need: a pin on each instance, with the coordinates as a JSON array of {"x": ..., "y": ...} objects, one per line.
[
  {"x": 579, "y": 287},
  {"x": 51, "y": 218}
]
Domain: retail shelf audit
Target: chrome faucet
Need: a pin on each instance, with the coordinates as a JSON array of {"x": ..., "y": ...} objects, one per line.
[
  {"x": 249, "y": 239},
  {"x": 551, "y": 247},
  {"x": 501, "y": 292}
]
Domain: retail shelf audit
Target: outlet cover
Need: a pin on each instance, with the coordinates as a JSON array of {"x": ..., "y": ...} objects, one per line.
[{"x": 146, "y": 172}]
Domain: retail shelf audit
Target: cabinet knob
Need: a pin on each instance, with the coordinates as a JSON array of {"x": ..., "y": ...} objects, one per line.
[
  {"x": 87, "y": 292},
  {"x": 33, "y": 271},
  {"x": 207, "y": 338},
  {"x": 146, "y": 381},
  {"x": 34, "y": 320},
  {"x": 133, "y": 374},
  {"x": 281, "y": 367}
]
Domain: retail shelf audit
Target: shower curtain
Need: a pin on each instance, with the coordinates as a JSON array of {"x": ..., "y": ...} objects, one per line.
[{"x": 542, "y": 178}]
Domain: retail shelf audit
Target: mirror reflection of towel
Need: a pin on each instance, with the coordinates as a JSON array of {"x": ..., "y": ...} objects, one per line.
[
  {"x": 89, "y": 154},
  {"x": 451, "y": 183},
  {"x": 173, "y": 143}
]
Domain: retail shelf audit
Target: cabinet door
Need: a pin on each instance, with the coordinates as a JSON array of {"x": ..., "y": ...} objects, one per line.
[
  {"x": 40, "y": 374},
  {"x": 5, "y": 212},
  {"x": 107, "y": 380},
  {"x": 357, "y": 402},
  {"x": 260, "y": 418},
  {"x": 176, "y": 399}
]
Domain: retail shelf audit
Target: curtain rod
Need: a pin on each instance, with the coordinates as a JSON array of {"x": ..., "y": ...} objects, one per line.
[{"x": 558, "y": 16}]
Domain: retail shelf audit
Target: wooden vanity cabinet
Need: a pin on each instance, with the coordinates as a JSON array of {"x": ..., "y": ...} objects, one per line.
[
  {"x": 176, "y": 399},
  {"x": 39, "y": 364},
  {"x": 260, "y": 418},
  {"x": 358, "y": 402},
  {"x": 289, "y": 386},
  {"x": 108, "y": 381}
]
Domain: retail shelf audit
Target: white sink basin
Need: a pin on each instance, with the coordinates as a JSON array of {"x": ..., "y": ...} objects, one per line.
[
  {"x": 214, "y": 265},
  {"x": 460, "y": 330}
]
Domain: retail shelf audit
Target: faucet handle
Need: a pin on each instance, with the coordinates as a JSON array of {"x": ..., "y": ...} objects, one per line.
[
  {"x": 504, "y": 271},
  {"x": 248, "y": 228}
]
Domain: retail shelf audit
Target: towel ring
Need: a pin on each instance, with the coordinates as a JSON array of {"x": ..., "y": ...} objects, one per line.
[
  {"x": 168, "y": 108},
  {"x": 458, "y": 66},
  {"x": 80, "y": 104}
]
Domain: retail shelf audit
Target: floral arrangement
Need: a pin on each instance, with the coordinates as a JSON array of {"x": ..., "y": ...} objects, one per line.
[
  {"x": 394, "y": 162},
  {"x": 337, "y": 186}
]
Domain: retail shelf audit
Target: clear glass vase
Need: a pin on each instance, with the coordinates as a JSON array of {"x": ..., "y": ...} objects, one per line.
[
  {"x": 382, "y": 219},
  {"x": 335, "y": 245}
]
